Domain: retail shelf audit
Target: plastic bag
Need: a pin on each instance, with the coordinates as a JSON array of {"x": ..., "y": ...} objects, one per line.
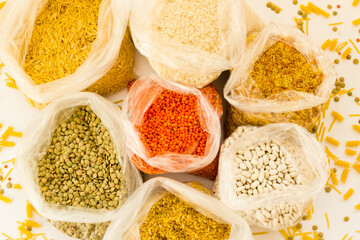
[
  {"x": 139, "y": 100},
  {"x": 35, "y": 145},
  {"x": 242, "y": 92},
  {"x": 188, "y": 45},
  {"x": 134, "y": 212},
  {"x": 106, "y": 69},
  {"x": 280, "y": 205}
]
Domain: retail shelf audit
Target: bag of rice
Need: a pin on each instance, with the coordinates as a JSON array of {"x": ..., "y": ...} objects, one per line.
[
  {"x": 284, "y": 78},
  {"x": 192, "y": 42},
  {"x": 72, "y": 165},
  {"x": 170, "y": 127},
  {"x": 166, "y": 209},
  {"x": 55, "y": 47},
  {"x": 270, "y": 175}
]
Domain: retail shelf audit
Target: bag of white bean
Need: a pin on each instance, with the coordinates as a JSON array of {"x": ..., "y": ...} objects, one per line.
[
  {"x": 270, "y": 175},
  {"x": 192, "y": 42},
  {"x": 72, "y": 164},
  {"x": 172, "y": 210}
]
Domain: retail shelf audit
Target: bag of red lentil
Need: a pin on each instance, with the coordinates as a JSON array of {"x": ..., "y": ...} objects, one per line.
[
  {"x": 192, "y": 42},
  {"x": 271, "y": 175},
  {"x": 284, "y": 78},
  {"x": 170, "y": 127},
  {"x": 193, "y": 211},
  {"x": 76, "y": 174},
  {"x": 56, "y": 47}
]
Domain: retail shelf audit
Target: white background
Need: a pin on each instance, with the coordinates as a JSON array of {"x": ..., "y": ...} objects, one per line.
[{"x": 14, "y": 111}]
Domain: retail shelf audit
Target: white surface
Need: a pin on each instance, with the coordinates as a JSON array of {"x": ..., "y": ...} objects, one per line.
[{"x": 14, "y": 111}]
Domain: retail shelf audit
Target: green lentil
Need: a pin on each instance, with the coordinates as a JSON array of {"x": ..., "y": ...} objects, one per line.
[
  {"x": 300, "y": 12},
  {"x": 338, "y": 88},
  {"x": 359, "y": 121},
  {"x": 356, "y": 61},
  {"x": 1, "y": 177},
  {"x": 304, "y": 217},
  {"x": 349, "y": 93},
  {"x": 314, "y": 227},
  {"x": 1, "y": 191},
  {"x": 321, "y": 234},
  {"x": 300, "y": 23},
  {"x": 337, "y": 83},
  {"x": 273, "y": 7},
  {"x": 299, "y": 226},
  {"x": 327, "y": 189},
  {"x": 67, "y": 153},
  {"x": 334, "y": 91},
  {"x": 336, "y": 61},
  {"x": 348, "y": 57},
  {"x": 9, "y": 185},
  {"x": 290, "y": 238},
  {"x": 172, "y": 218},
  {"x": 346, "y": 219},
  {"x": 335, "y": 13},
  {"x": 342, "y": 85},
  {"x": 295, "y": 2},
  {"x": 277, "y": 11},
  {"x": 268, "y": 5},
  {"x": 334, "y": 170},
  {"x": 341, "y": 79},
  {"x": 329, "y": 6},
  {"x": 357, "y": 99},
  {"x": 335, "y": 29},
  {"x": 304, "y": 15}
]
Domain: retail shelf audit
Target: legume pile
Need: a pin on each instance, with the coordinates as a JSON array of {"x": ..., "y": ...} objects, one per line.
[
  {"x": 172, "y": 218},
  {"x": 173, "y": 123},
  {"x": 81, "y": 168},
  {"x": 265, "y": 167}
]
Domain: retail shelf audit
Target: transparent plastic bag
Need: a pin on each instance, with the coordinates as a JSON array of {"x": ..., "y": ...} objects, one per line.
[
  {"x": 140, "y": 98},
  {"x": 303, "y": 155},
  {"x": 188, "y": 45},
  {"x": 242, "y": 92},
  {"x": 35, "y": 144},
  {"x": 126, "y": 225},
  {"x": 111, "y": 54}
]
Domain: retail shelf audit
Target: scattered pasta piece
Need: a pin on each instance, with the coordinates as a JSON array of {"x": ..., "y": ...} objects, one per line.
[
  {"x": 354, "y": 115},
  {"x": 358, "y": 157},
  {"x": 29, "y": 209},
  {"x": 327, "y": 221},
  {"x": 345, "y": 237},
  {"x": 326, "y": 44},
  {"x": 7, "y": 175},
  {"x": 344, "y": 175},
  {"x": 348, "y": 194},
  {"x": 333, "y": 177},
  {"x": 356, "y": 48},
  {"x": 346, "y": 53},
  {"x": 17, "y": 186},
  {"x": 342, "y": 163},
  {"x": 341, "y": 46},
  {"x": 5, "y": 199},
  {"x": 355, "y": 3},
  {"x": 10, "y": 238},
  {"x": 334, "y": 24},
  {"x": 322, "y": 135},
  {"x": 333, "y": 187},
  {"x": 350, "y": 152},
  {"x": 23, "y": 230},
  {"x": 260, "y": 233},
  {"x": 318, "y": 11},
  {"x": 357, "y": 207},
  {"x": 7, "y": 133},
  {"x": 357, "y": 128},
  {"x": 332, "y": 141},
  {"x": 337, "y": 116},
  {"x": 352, "y": 143},
  {"x": 356, "y": 166},
  {"x": 7, "y": 143},
  {"x": 330, "y": 154},
  {"x": 306, "y": 9},
  {"x": 284, "y": 234},
  {"x": 356, "y": 22},
  {"x": 31, "y": 223},
  {"x": 9, "y": 161},
  {"x": 333, "y": 44},
  {"x": 2, "y": 4}
]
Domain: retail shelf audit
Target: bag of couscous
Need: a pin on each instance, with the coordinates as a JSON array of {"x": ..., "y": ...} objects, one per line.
[
  {"x": 72, "y": 165},
  {"x": 192, "y": 42},
  {"x": 172, "y": 128},
  {"x": 56, "y": 47},
  {"x": 284, "y": 78},
  {"x": 270, "y": 175},
  {"x": 166, "y": 209}
]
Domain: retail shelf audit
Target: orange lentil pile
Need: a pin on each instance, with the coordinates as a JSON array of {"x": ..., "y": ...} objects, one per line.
[{"x": 172, "y": 124}]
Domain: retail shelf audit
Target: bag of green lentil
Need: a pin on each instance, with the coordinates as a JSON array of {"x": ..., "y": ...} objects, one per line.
[
  {"x": 191, "y": 213},
  {"x": 170, "y": 127},
  {"x": 285, "y": 77},
  {"x": 192, "y": 42},
  {"x": 72, "y": 164},
  {"x": 56, "y": 47},
  {"x": 271, "y": 175}
]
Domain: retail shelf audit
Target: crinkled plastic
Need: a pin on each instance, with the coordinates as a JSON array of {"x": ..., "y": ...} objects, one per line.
[
  {"x": 140, "y": 97},
  {"x": 16, "y": 25},
  {"x": 134, "y": 212},
  {"x": 306, "y": 154},
  {"x": 241, "y": 92},
  {"x": 35, "y": 144},
  {"x": 191, "y": 63}
]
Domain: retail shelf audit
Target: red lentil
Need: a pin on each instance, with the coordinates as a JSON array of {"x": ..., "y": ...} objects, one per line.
[{"x": 172, "y": 124}]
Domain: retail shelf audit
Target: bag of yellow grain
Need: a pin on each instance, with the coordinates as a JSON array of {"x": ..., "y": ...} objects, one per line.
[
  {"x": 55, "y": 47},
  {"x": 192, "y": 42},
  {"x": 72, "y": 165},
  {"x": 271, "y": 175},
  {"x": 284, "y": 78},
  {"x": 166, "y": 209}
]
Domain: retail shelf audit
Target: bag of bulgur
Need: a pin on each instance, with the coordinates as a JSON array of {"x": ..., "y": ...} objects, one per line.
[
  {"x": 166, "y": 209},
  {"x": 170, "y": 127},
  {"x": 270, "y": 175},
  {"x": 284, "y": 78},
  {"x": 56, "y": 47},
  {"x": 72, "y": 165},
  {"x": 192, "y": 42}
]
